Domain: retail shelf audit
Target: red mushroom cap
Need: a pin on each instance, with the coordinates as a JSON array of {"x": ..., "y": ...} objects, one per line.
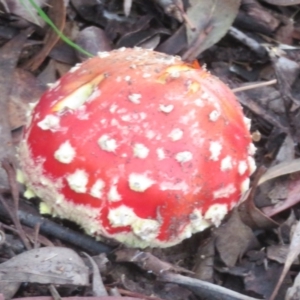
[{"x": 138, "y": 146}]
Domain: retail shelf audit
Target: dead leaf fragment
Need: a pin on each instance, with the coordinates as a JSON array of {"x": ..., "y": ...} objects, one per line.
[
  {"x": 9, "y": 55},
  {"x": 293, "y": 293},
  {"x": 25, "y": 89},
  {"x": 262, "y": 280},
  {"x": 204, "y": 264},
  {"x": 283, "y": 2},
  {"x": 25, "y": 10},
  {"x": 92, "y": 39},
  {"x": 294, "y": 251},
  {"x": 240, "y": 236},
  {"x": 288, "y": 194},
  {"x": 212, "y": 19},
  {"x": 49, "y": 265},
  {"x": 147, "y": 261},
  {"x": 57, "y": 14},
  {"x": 9, "y": 290},
  {"x": 278, "y": 253},
  {"x": 284, "y": 168},
  {"x": 98, "y": 286}
]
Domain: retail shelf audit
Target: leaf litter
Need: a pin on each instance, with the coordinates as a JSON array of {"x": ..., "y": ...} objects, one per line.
[{"x": 249, "y": 45}]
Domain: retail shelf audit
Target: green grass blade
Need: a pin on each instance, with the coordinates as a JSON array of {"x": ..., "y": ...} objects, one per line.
[{"x": 44, "y": 16}]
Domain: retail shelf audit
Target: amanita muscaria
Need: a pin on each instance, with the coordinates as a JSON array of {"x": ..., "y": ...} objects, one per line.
[{"x": 138, "y": 146}]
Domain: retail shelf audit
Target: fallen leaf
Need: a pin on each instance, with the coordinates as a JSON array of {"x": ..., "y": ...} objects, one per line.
[
  {"x": 204, "y": 260},
  {"x": 147, "y": 261},
  {"x": 282, "y": 2},
  {"x": 254, "y": 217},
  {"x": 151, "y": 43},
  {"x": 57, "y": 15},
  {"x": 92, "y": 39},
  {"x": 241, "y": 239},
  {"x": 203, "y": 289},
  {"x": 293, "y": 293},
  {"x": 48, "y": 75},
  {"x": 98, "y": 286},
  {"x": 48, "y": 265},
  {"x": 284, "y": 168},
  {"x": 175, "y": 43},
  {"x": 261, "y": 279},
  {"x": 9, "y": 289},
  {"x": 9, "y": 55},
  {"x": 91, "y": 11},
  {"x": 288, "y": 194},
  {"x": 294, "y": 251},
  {"x": 212, "y": 19},
  {"x": 26, "y": 89},
  {"x": 141, "y": 37},
  {"x": 25, "y": 10},
  {"x": 277, "y": 253}
]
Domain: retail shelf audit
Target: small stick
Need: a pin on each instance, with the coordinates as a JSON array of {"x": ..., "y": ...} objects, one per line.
[{"x": 254, "y": 86}]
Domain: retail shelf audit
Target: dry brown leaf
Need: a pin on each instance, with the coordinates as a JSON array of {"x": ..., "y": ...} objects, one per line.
[
  {"x": 25, "y": 10},
  {"x": 204, "y": 260},
  {"x": 57, "y": 14},
  {"x": 9, "y": 289},
  {"x": 9, "y": 55},
  {"x": 253, "y": 217},
  {"x": 288, "y": 194},
  {"x": 284, "y": 168},
  {"x": 92, "y": 39},
  {"x": 25, "y": 89},
  {"x": 240, "y": 236},
  {"x": 212, "y": 19},
  {"x": 294, "y": 251},
  {"x": 147, "y": 261},
  {"x": 262, "y": 278},
  {"x": 277, "y": 253},
  {"x": 151, "y": 43},
  {"x": 49, "y": 265},
  {"x": 176, "y": 43}
]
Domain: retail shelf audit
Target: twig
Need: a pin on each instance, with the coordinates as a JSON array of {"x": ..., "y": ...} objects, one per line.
[
  {"x": 36, "y": 236},
  {"x": 54, "y": 292},
  {"x": 247, "y": 41},
  {"x": 254, "y": 86},
  {"x": 64, "y": 234},
  {"x": 11, "y": 174},
  {"x": 207, "y": 290},
  {"x": 9, "y": 210}
]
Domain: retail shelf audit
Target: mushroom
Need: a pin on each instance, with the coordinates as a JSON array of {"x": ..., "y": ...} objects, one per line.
[{"x": 138, "y": 146}]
